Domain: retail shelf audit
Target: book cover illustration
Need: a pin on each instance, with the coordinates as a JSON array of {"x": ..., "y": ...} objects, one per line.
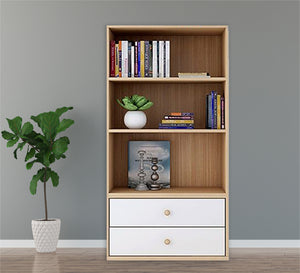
[{"x": 148, "y": 162}]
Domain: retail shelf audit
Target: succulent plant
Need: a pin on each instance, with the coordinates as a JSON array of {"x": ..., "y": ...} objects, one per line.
[{"x": 135, "y": 103}]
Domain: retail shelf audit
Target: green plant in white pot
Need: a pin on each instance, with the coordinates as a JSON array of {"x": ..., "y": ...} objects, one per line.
[
  {"x": 42, "y": 149},
  {"x": 135, "y": 118}
]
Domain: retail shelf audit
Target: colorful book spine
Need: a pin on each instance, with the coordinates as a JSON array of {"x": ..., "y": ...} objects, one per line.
[
  {"x": 178, "y": 127},
  {"x": 112, "y": 58},
  {"x": 146, "y": 55},
  {"x": 218, "y": 111},
  {"x": 139, "y": 59},
  {"x": 116, "y": 60},
  {"x": 125, "y": 59},
  {"x": 167, "y": 59},
  {"x": 177, "y": 121},
  {"x": 222, "y": 113},
  {"x": 132, "y": 61},
  {"x": 209, "y": 119},
  {"x": 215, "y": 111},
  {"x": 142, "y": 58},
  {"x": 154, "y": 59},
  {"x": 120, "y": 58},
  {"x": 136, "y": 59},
  {"x": 181, "y": 114},
  {"x": 212, "y": 109},
  {"x": 178, "y": 117},
  {"x": 175, "y": 125},
  {"x": 129, "y": 59},
  {"x": 150, "y": 60}
]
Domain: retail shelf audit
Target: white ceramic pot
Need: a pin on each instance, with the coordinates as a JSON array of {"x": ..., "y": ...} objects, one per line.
[
  {"x": 135, "y": 119},
  {"x": 45, "y": 234}
]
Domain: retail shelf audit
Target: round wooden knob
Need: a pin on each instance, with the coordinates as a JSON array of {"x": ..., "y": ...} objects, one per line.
[
  {"x": 167, "y": 241},
  {"x": 167, "y": 212}
]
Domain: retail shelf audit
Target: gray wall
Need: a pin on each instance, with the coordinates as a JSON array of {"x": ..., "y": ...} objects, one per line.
[{"x": 53, "y": 54}]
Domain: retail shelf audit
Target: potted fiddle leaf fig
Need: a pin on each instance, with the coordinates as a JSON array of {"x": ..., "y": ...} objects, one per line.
[
  {"x": 43, "y": 148},
  {"x": 135, "y": 118}
]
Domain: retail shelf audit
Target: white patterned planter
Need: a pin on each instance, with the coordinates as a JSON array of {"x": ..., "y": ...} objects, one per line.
[
  {"x": 45, "y": 234},
  {"x": 135, "y": 119}
]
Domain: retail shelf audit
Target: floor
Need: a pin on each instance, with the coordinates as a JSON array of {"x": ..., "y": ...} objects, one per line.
[{"x": 93, "y": 260}]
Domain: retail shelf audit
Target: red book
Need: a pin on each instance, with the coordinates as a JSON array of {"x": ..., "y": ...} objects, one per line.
[{"x": 112, "y": 58}]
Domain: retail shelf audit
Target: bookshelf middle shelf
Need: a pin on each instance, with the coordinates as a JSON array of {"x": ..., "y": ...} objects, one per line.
[{"x": 167, "y": 97}]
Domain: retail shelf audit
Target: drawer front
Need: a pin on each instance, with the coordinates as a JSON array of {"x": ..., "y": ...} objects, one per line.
[
  {"x": 167, "y": 241},
  {"x": 167, "y": 212}
]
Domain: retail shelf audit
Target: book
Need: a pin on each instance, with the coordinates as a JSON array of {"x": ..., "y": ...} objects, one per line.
[
  {"x": 129, "y": 59},
  {"x": 175, "y": 127},
  {"x": 215, "y": 110},
  {"x": 136, "y": 59},
  {"x": 116, "y": 60},
  {"x": 142, "y": 59},
  {"x": 139, "y": 59},
  {"x": 112, "y": 58},
  {"x": 222, "y": 113},
  {"x": 167, "y": 59},
  {"x": 146, "y": 55},
  {"x": 209, "y": 107},
  {"x": 132, "y": 61},
  {"x": 194, "y": 75},
  {"x": 177, "y": 121},
  {"x": 178, "y": 117},
  {"x": 150, "y": 60},
  {"x": 181, "y": 114},
  {"x": 206, "y": 111},
  {"x": 148, "y": 162},
  {"x": 120, "y": 58},
  {"x": 164, "y": 59},
  {"x": 125, "y": 59},
  {"x": 161, "y": 59},
  {"x": 218, "y": 111},
  {"x": 154, "y": 59}
]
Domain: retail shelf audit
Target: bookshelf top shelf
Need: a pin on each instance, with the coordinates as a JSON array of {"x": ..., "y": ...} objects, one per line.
[
  {"x": 165, "y": 131},
  {"x": 167, "y": 30},
  {"x": 169, "y": 80},
  {"x": 173, "y": 192}
]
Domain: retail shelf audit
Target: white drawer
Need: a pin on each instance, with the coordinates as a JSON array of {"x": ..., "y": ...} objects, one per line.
[
  {"x": 152, "y": 212},
  {"x": 152, "y": 241}
]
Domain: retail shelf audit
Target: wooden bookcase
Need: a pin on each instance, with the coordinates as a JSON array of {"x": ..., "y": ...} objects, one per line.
[{"x": 199, "y": 157}]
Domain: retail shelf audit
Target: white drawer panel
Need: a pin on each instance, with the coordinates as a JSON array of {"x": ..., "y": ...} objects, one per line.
[
  {"x": 182, "y": 241},
  {"x": 183, "y": 212}
]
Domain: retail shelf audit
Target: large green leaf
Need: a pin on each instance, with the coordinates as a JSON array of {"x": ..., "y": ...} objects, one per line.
[
  {"x": 60, "y": 146},
  {"x": 7, "y": 135},
  {"x": 30, "y": 164},
  {"x": 20, "y": 146},
  {"x": 55, "y": 178},
  {"x": 12, "y": 142},
  {"x": 49, "y": 124},
  {"x": 35, "y": 179},
  {"x": 30, "y": 154},
  {"x": 60, "y": 111},
  {"x": 64, "y": 124},
  {"x": 27, "y": 128},
  {"x": 15, "y": 124}
]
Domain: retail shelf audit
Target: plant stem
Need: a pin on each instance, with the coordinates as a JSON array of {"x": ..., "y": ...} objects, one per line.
[{"x": 45, "y": 197}]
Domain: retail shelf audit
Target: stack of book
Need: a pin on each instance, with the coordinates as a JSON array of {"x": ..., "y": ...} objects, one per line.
[
  {"x": 140, "y": 59},
  {"x": 194, "y": 75},
  {"x": 178, "y": 121},
  {"x": 215, "y": 111}
]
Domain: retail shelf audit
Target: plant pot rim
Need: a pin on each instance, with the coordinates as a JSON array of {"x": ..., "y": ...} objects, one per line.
[{"x": 49, "y": 220}]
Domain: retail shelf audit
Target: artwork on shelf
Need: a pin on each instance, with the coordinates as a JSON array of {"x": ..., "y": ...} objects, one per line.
[{"x": 148, "y": 163}]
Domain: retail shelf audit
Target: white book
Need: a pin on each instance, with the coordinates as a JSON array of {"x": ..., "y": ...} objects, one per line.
[
  {"x": 132, "y": 61},
  {"x": 125, "y": 59},
  {"x": 168, "y": 59},
  {"x": 154, "y": 59},
  {"x": 161, "y": 59}
]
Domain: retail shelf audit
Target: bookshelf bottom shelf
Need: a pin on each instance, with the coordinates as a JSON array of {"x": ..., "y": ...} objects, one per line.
[{"x": 173, "y": 192}]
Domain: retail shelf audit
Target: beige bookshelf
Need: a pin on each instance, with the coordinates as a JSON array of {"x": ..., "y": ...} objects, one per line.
[{"x": 199, "y": 157}]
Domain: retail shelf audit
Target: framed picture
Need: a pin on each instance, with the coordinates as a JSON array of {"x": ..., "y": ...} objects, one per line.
[{"x": 149, "y": 162}]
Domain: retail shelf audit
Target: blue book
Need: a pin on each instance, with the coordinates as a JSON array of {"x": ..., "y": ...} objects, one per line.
[
  {"x": 212, "y": 109},
  {"x": 139, "y": 59},
  {"x": 175, "y": 127},
  {"x": 209, "y": 112}
]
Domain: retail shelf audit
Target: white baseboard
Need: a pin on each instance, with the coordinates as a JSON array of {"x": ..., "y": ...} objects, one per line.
[{"x": 102, "y": 244}]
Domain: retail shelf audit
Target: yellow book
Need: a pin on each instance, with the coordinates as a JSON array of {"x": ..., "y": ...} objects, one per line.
[
  {"x": 142, "y": 58},
  {"x": 177, "y": 121},
  {"x": 116, "y": 60},
  {"x": 218, "y": 111}
]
